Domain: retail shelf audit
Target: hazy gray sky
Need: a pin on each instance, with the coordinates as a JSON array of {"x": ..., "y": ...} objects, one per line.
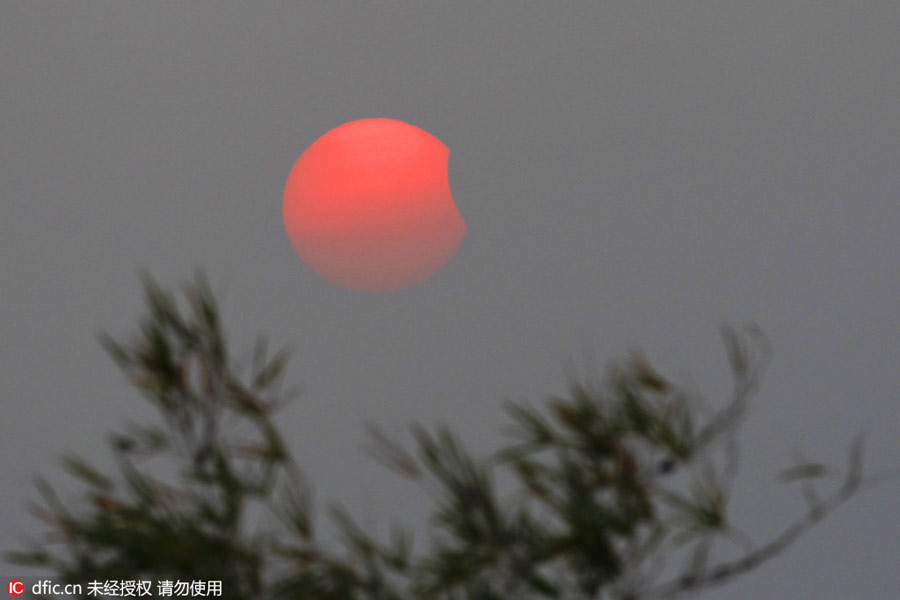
[{"x": 632, "y": 174}]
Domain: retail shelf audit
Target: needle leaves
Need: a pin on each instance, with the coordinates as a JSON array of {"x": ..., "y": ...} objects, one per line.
[{"x": 587, "y": 495}]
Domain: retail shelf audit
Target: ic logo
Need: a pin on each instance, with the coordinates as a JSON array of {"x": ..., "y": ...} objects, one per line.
[{"x": 15, "y": 587}]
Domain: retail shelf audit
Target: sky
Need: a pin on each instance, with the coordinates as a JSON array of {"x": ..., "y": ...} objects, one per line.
[{"x": 633, "y": 175}]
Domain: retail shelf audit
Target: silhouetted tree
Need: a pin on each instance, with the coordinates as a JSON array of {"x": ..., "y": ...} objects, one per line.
[{"x": 610, "y": 483}]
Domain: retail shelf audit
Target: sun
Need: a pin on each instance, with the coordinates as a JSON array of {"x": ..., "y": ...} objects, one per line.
[{"x": 368, "y": 206}]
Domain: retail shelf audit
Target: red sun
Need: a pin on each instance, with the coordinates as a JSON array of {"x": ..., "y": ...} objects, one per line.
[{"x": 368, "y": 206}]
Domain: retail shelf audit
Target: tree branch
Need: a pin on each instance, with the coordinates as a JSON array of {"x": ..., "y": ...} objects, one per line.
[{"x": 724, "y": 571}]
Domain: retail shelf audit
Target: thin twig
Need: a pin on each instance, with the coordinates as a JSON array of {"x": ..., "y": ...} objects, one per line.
[{"x": 724, "y": 571}]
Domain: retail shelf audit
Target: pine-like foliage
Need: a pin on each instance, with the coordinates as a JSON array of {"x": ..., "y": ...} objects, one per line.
[{"x": 603, "y": 488}]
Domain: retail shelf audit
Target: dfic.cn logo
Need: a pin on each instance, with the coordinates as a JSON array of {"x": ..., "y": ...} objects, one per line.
[{"x": 15, "y": 587}]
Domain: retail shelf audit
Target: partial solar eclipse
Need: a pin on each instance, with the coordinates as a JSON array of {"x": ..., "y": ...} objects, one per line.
[{"x": 368, "y": 206}]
